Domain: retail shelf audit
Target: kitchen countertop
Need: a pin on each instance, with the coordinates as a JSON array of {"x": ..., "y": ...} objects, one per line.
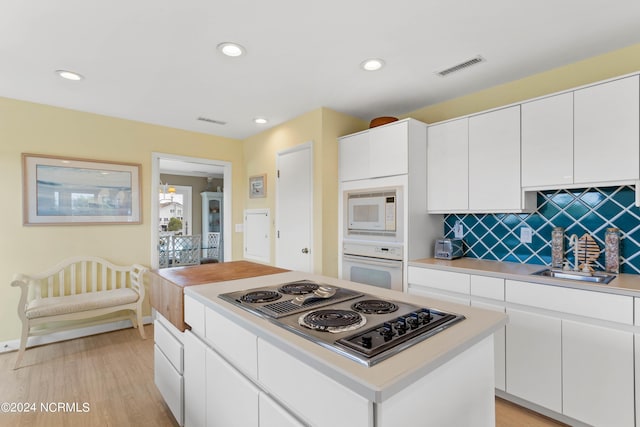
[
  {"x": 623, "y": 284},
  {"x": 167, "y": 284},
  {"x": 375, "y": 383}
]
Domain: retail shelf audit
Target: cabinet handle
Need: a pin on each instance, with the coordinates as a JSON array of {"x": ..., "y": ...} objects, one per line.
[{"x": 305, "y": 250}]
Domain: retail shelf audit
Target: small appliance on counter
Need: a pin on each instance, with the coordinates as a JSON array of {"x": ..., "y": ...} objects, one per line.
[{"x": 448, "y": 249}]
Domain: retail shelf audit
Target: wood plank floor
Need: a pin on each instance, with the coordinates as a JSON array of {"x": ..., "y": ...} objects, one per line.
[{"x": 113, "y": 374}]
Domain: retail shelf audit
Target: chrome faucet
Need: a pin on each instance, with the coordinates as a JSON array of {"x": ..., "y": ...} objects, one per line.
[{"x": 573, "y": 241}]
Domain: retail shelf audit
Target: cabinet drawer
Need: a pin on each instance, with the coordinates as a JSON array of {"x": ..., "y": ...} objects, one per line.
[
  {"x": 439, "y": 279},
  {"x": 194, "y": 314},
  {"x": 598, "y": 305},
  {"x": 169, "y": 382},
  {"x": 487, "y": 287},
  {"x": 170, "y": 346},
  {"x": 233, "y": 342}
]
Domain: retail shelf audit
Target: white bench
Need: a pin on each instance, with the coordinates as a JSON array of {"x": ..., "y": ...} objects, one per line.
[{"x": 76, "y": 289}]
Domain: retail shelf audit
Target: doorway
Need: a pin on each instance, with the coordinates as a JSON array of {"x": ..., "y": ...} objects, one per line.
[
  {"x": 294, "y": 208},
  {"x": 174, "y": 165}
]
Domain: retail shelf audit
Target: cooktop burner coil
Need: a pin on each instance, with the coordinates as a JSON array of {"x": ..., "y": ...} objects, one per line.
[
  {"x": 255, "y": 297},
  {"x": 300, "y": 287},
  {"x": 332, "y": 320},
  {"x": 374, "y": 306}
]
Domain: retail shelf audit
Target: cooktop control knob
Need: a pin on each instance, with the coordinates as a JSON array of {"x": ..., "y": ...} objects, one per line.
[
  {"x": 366, "y": 341},
  {"x": 401, "y": 325},
  {"x": 424, "y": 316},
  {"x": 412, "y": 321},
  {"x": 386, "y": 331}
]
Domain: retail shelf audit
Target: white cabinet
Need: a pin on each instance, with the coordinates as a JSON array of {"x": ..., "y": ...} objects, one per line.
[
  {"x": 168, "y": 365},
  {"x": 597, "y": 374},
  {"x": 494, "y": 161},
  {"x": 354, "y": 156},
  {"x": 381, "y": 151},
  {"x": 547, "y": 141},
  {"x": 232, "y": 400},
  {"x": 488, "y": 293},
  {"x": 274, "y": 415},
  {"x": 439, "y": 284},
  {"x": 448, "y": 166},
  {"x": 571, "y": 351},
  {"x": 195, "y": 381},
  {"x": 576, "y": 137},
  {"x": 389, "y": 149},
  {"x": 534, "y": 358},
  {"x": 607, "y": 121}
]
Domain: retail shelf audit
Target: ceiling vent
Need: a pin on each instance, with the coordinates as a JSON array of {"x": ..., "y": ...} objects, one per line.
[
  {"x": 463, "y": 65},
  {"x": 217, "y": 122}
]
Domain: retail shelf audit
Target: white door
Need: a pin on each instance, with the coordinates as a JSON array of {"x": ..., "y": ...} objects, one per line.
[{"x": 294, "y": 208}]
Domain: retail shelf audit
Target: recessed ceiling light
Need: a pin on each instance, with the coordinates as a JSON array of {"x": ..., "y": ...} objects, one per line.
[
  {"x": 69, "y": 75},
  {"x": 260, "y": 120},
  {"x": 373, "y": 64},
  {"x": 231, "y": 49}
]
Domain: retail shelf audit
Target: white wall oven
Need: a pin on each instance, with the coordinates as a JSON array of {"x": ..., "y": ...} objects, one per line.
[{"x": 373, "y": 264}]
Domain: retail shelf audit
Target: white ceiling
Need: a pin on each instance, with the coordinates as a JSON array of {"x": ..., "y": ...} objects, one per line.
[{"x": 155, "y": 61}]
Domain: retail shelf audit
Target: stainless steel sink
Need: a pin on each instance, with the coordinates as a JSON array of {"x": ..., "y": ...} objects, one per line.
[{"x": 596, "y": 277}]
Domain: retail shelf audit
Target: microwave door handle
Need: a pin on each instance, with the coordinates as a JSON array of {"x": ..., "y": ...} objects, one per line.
[{"x": 369, "y": 261}]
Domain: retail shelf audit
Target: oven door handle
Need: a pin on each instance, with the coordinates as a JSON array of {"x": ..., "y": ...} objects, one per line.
[{"x": 373, "y": 261}]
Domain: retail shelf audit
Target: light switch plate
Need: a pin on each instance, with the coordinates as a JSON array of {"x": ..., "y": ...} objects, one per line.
[{"x": 525, "y": 235}]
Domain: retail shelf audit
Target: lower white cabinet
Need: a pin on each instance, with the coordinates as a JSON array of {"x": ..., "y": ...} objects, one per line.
[
  {"x": 499, "y": 346},
  {"x": 273, "y": 415},
  {"x": 232, "y": 400},
  {"x": 195, "y": 381},
  {"x": 168, "y": 366},
  {"x": 439, "y": 284},
  {"x": 597, "y": 374},
  {"x": 534, "y": 358}
]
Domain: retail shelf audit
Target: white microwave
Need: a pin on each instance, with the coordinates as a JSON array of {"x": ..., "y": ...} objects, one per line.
[{"x": 372, "y": 212}]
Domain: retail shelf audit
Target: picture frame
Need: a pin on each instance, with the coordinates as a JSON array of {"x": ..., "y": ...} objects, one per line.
[
  {"x": 258, "y": 186},
  {"x": 74, "y": 191}
]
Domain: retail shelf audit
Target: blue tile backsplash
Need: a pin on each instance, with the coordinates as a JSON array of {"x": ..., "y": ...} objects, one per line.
[{"x": 579, "y": 211}]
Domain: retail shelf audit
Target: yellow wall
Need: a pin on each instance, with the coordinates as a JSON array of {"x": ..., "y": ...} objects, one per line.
[
  {"x": 322, "y": 126},
  {"x": 612, "y": 64},
  {"x": 34, "y": 128}
]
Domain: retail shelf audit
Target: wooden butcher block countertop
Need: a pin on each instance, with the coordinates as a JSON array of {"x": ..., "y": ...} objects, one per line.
[{"x": 167, "y": 284}]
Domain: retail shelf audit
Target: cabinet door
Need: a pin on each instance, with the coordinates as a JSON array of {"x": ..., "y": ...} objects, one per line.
[
  {"x": 389, "y": 150},
  {"x": 597, "y": 374},
  {"x": 274, "y": 415},
  {"x": 448, "y": 166},
  {"x": 232, "y": 400},
  {"x": 494, "y": 161},
  {"x": 354, "y": 156},
  {"x": 499, "y": 349},
  {"x": 169, "y": 383},
  {"x": 547, "y": 141},
  {"x": 534, "y": 358},
  {"x": 606, "y": 131},
  {"x": 195, "y": 386}
]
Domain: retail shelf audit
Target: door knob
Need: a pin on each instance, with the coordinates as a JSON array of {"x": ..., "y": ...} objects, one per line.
[{"x": 305, "y": 250}]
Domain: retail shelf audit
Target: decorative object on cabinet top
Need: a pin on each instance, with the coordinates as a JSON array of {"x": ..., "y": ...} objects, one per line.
[
  {"x": 379, "y": 121},
  {"x": 578, "y": 211}
]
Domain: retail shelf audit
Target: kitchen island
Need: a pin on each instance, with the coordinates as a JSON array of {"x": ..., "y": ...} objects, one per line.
[{"x": 242, "y": 369}]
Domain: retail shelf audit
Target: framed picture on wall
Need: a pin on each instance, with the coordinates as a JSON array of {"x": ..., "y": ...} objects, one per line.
[
  {"x": 72, "y": 191},
  {"x": 258, "y": 186}
]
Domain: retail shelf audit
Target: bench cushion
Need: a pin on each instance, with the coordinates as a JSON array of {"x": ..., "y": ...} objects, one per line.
[{"x": 54, "y": 306}]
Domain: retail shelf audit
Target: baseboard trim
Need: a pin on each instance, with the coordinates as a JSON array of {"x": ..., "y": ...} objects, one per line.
[{"x": 12, "y": 345}]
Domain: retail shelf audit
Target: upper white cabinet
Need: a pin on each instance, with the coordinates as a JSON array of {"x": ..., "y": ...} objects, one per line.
[
  {"x": 607, "y": 120},
  {"x": 381, "y": 151},
  {"x": 448, "y": 166},
  {"x": 587, "y": 136},
  {"x": 494, "y": 161},
  {"x": 547, "y": 141}
]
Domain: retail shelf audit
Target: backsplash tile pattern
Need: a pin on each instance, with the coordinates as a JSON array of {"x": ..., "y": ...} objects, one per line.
[{"x": 579, "y": 211}]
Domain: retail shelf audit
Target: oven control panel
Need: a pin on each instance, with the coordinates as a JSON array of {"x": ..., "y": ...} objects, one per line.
[{"x": 394, "y": 252}]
